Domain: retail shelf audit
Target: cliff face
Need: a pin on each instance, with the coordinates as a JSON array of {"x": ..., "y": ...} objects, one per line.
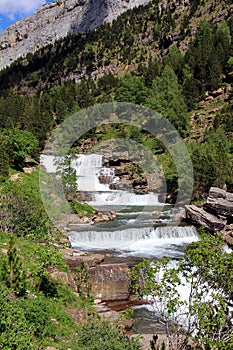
[{"x": 55, "y": 20}]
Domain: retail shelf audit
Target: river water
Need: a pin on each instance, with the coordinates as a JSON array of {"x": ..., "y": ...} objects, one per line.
[{"x": 143, "y": 227}]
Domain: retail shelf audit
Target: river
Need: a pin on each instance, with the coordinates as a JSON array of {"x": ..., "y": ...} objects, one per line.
[{"x": 143, "y": 227}]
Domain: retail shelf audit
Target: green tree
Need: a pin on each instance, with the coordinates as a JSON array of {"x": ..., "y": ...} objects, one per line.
[
  {"x": 131, "y": 89},
  {"x": 211, "y": 162},
  {"x": 21, "y": 145},
  {"x": 166, "y": 98},
  {"x": 100, "y": 335},
  {"x": 4, "y": 158},
  {"x": 22, "y": 211},
  {"x": 13, "y": 274},
  {"x": 203, "y": 59},
  {"x": 15, "y": 332},
  {"x": 203, "y": 314}
]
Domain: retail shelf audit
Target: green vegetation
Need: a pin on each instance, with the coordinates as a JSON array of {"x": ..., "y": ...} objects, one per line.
[
  {"x": 205, "y": 312},
  {"x": 138, "y": 62},
  {"x": 173, "y": 85},
  {"x": 22, "y": 211},
  {"x": 36, "y": 308}
]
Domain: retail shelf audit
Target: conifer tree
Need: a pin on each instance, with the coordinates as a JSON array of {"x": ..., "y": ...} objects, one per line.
[{"x": 13, "y": 273}]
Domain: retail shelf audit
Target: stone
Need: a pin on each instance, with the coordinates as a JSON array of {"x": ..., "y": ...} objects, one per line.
[
  {"x": 220, "y": 202},
  {"x": 97, "y": 301},
  {"x": 15, "y": 177},
  {"x": 227, "y": 234},
  {"x": 63, "y": 277},
  {"x": 179, "y": 215},
  {"x": 29, "y": 170},
  {"x": 109, "y": 282},
  {"x": 198, "y": 216},
  {"x": 89, "y": 259}
]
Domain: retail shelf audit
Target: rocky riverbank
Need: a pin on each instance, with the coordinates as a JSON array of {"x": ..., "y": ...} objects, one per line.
[{"x": 216, "y": 214}]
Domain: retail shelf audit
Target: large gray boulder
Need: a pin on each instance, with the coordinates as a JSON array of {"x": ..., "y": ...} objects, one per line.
[
  {"x": 199, "y": 217},
  {"x": 220, "y": 202}
]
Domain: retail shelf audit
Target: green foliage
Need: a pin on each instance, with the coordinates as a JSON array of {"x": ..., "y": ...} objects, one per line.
[
  {"x": 4, "y": 158},
  {"x": 211, "y": 162},
  {"x": 224, "y": 119},
  {"x": 68, "y": 175},
  {"x": 100, "y": 335},
  {"x": 37, "y": 317},
  {"x": 166, "y": 98},
  {"x": 127, "y": 314},
  {"x": 82, "y": 281},
  {"x": 83, "y": 209},
  {"x": 15, "y": 332},
  {"x": 21, "y": 144},
  {"x": 34, "y": 322},
  {"x": 131, "y": 89},
  {"x": 22, "y": 211},
  {"x": 204, "y": 314},
  {"x": 13, "y": 274}
]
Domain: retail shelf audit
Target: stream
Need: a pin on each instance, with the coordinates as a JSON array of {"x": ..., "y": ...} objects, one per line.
[{"x": 143, "y": 227}]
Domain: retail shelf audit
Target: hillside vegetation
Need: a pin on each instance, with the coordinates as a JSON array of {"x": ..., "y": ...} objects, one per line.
[{"x": 172, "y": 58}]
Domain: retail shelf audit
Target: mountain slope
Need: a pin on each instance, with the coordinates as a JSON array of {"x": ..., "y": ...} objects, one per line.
[
  {"x": 55, "y": 20},
  {"x": 136, "y": 37}
]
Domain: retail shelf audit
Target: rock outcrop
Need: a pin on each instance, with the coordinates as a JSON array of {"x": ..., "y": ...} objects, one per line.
[
  {"x": 200, "y": 217},
  {"x": 220, "y": 202},
  {"x": 109, "y": 281},
  {"x": 216, "y": 213},
  {"x": 56, "y": 20}
]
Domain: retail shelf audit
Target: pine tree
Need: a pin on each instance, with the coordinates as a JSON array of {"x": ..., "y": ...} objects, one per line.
[{"x": 13, "y": 273}]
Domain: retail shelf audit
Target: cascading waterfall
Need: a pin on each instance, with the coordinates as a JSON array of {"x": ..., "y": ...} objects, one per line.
[
  {"x": 133, "y": 232},
  {"x": 88, "y": 170},
  {"x": 143, "y": 241}
]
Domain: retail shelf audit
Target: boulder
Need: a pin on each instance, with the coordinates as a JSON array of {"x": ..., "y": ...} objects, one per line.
[
  {"x": 220, "y": 202},
  {"x": 198, "y": 216},
  {"x": 227, "y": 234},
  {"x": 109, "y": 281},
  {"x": 89, "y": 259},
  {"x": 63, "y": 277}
]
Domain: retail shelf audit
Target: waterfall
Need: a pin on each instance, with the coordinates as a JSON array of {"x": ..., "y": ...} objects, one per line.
[
  {"x": 88, "y": 170},
  {"x": 132, "y": 238},
  {"x": 122, "y": 198}
]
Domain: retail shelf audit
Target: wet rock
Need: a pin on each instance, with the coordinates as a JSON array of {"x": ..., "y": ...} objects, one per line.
[
  {"x": 227, "y": 234},
  {"x": 198, "y": 216},
  {"x": 97, "y": 301},
  {"x": 103, "y": 217}
]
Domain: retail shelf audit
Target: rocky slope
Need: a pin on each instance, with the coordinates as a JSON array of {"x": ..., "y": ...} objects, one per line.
[{"x": 56, "y": 20}]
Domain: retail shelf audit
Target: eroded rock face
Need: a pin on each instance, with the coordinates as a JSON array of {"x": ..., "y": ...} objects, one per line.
[
  {"x": 56, "y": 20},
  {"x": 109, "y": 281},
  {"x": 200, "y": 217},
  {"x": 220, "y": 202}
]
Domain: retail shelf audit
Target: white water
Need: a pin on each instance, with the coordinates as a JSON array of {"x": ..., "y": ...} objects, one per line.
[
  {"x": 88, "y": 168},
  {"x": 137, "y": 241},
  {"x": 135, "y": 235}
]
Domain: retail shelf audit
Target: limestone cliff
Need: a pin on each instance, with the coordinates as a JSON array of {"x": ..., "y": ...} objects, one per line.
[{"x": 55, "y": 20}]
